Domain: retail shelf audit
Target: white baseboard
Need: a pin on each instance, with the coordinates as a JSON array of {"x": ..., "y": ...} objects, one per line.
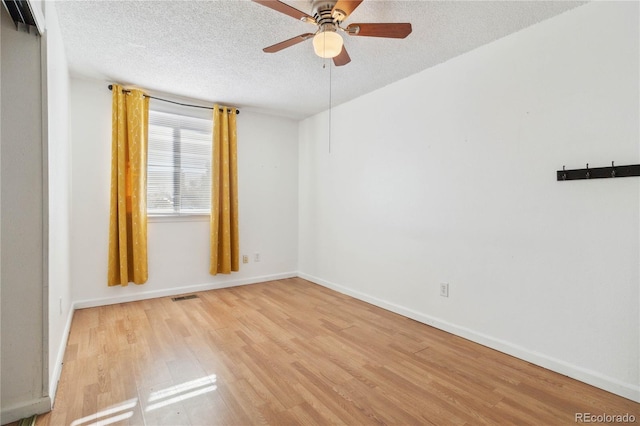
[
  {"x": 594, "y": 378},
  {"x": 55, "y": 378},
  {"x": 81, "y": 304},
  {"x": 25, "y": 409}
]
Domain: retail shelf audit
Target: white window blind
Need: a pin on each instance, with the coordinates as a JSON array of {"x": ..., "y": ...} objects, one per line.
[{"x": 178, "y": 165}]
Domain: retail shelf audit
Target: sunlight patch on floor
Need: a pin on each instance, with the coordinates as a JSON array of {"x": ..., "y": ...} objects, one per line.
[
  {"x": 181, "y": 392},
  {"x": 157, "y": 399},
  {"x": 97, "y": 418}
]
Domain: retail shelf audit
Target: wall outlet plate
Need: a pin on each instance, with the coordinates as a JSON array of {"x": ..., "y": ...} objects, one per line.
[
  {"x": 444, "y": 289},
  {"x": 245, "y": 258}
]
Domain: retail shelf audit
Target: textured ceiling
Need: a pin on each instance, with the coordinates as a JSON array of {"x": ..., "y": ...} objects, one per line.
[{"x": 212, "y": 50}]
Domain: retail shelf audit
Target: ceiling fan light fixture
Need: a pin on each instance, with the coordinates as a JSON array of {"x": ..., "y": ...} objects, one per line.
[{"x": 327, "y": 44}]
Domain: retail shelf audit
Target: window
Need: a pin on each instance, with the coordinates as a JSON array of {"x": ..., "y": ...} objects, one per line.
[{"x": 179, "y": 165}]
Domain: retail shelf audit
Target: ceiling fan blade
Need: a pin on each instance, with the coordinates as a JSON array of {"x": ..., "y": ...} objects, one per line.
[
  {"x": 286, "y": 9},
  {"x": 345, "y": 7},
  {"x": 342, "y": 59},
  {"x": 380, "y": 30},
  {"x": 287, "y": 43}
]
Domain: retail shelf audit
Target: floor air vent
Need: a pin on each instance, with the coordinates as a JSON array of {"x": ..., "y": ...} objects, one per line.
[{"x": 180, "y": 298}]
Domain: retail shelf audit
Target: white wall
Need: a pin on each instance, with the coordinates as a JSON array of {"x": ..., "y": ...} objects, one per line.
[
  {"x": 179, "y": 251},
  {"x": 449, "y": 176},
  {"x": 59, "y": 177},
  {"x": 23, "y": 385}
]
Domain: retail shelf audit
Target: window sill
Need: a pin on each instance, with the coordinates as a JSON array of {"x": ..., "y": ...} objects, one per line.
[{"x": 179, "y": 218}]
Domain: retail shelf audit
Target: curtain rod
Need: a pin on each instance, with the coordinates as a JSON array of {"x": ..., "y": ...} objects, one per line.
[{"x": 173, "y": 102}]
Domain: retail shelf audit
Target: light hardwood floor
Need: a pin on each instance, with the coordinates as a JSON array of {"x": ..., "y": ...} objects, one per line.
[{"x": 291, "y": 352}]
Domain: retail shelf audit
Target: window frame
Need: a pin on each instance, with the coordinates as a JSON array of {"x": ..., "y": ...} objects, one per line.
[{"x": 186, "y": 111}]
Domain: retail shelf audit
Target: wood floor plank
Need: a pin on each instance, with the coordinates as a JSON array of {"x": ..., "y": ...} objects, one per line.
[
  {"x": 338, "y": 403},
  {"x": 291, "y": 352},
  {"x": 241, "y": 394}
]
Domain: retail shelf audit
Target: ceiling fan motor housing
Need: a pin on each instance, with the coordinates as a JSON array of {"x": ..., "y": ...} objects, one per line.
[{"x": 325, "y": 16}]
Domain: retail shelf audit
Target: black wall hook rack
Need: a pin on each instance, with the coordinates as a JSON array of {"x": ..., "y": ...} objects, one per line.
[{"x": 599, "y": 172}]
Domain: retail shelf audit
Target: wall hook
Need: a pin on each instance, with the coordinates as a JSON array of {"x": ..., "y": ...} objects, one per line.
[{"x": 598, "y": 172}]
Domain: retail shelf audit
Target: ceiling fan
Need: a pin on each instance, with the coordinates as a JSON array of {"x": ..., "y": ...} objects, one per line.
[{"x": 327, "y": 16}]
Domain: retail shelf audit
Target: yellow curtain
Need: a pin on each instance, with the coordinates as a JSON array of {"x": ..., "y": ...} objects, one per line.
[
  {"x": 225, "y": 244},
  {"x": 128, "y": 222}
]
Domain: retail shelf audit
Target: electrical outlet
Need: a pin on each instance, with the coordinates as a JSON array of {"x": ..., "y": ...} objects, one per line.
[
  {"x": 245, "y": 258},
  {"x": 444, "y": 289},
  {"x": 256, "y": 257}
]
